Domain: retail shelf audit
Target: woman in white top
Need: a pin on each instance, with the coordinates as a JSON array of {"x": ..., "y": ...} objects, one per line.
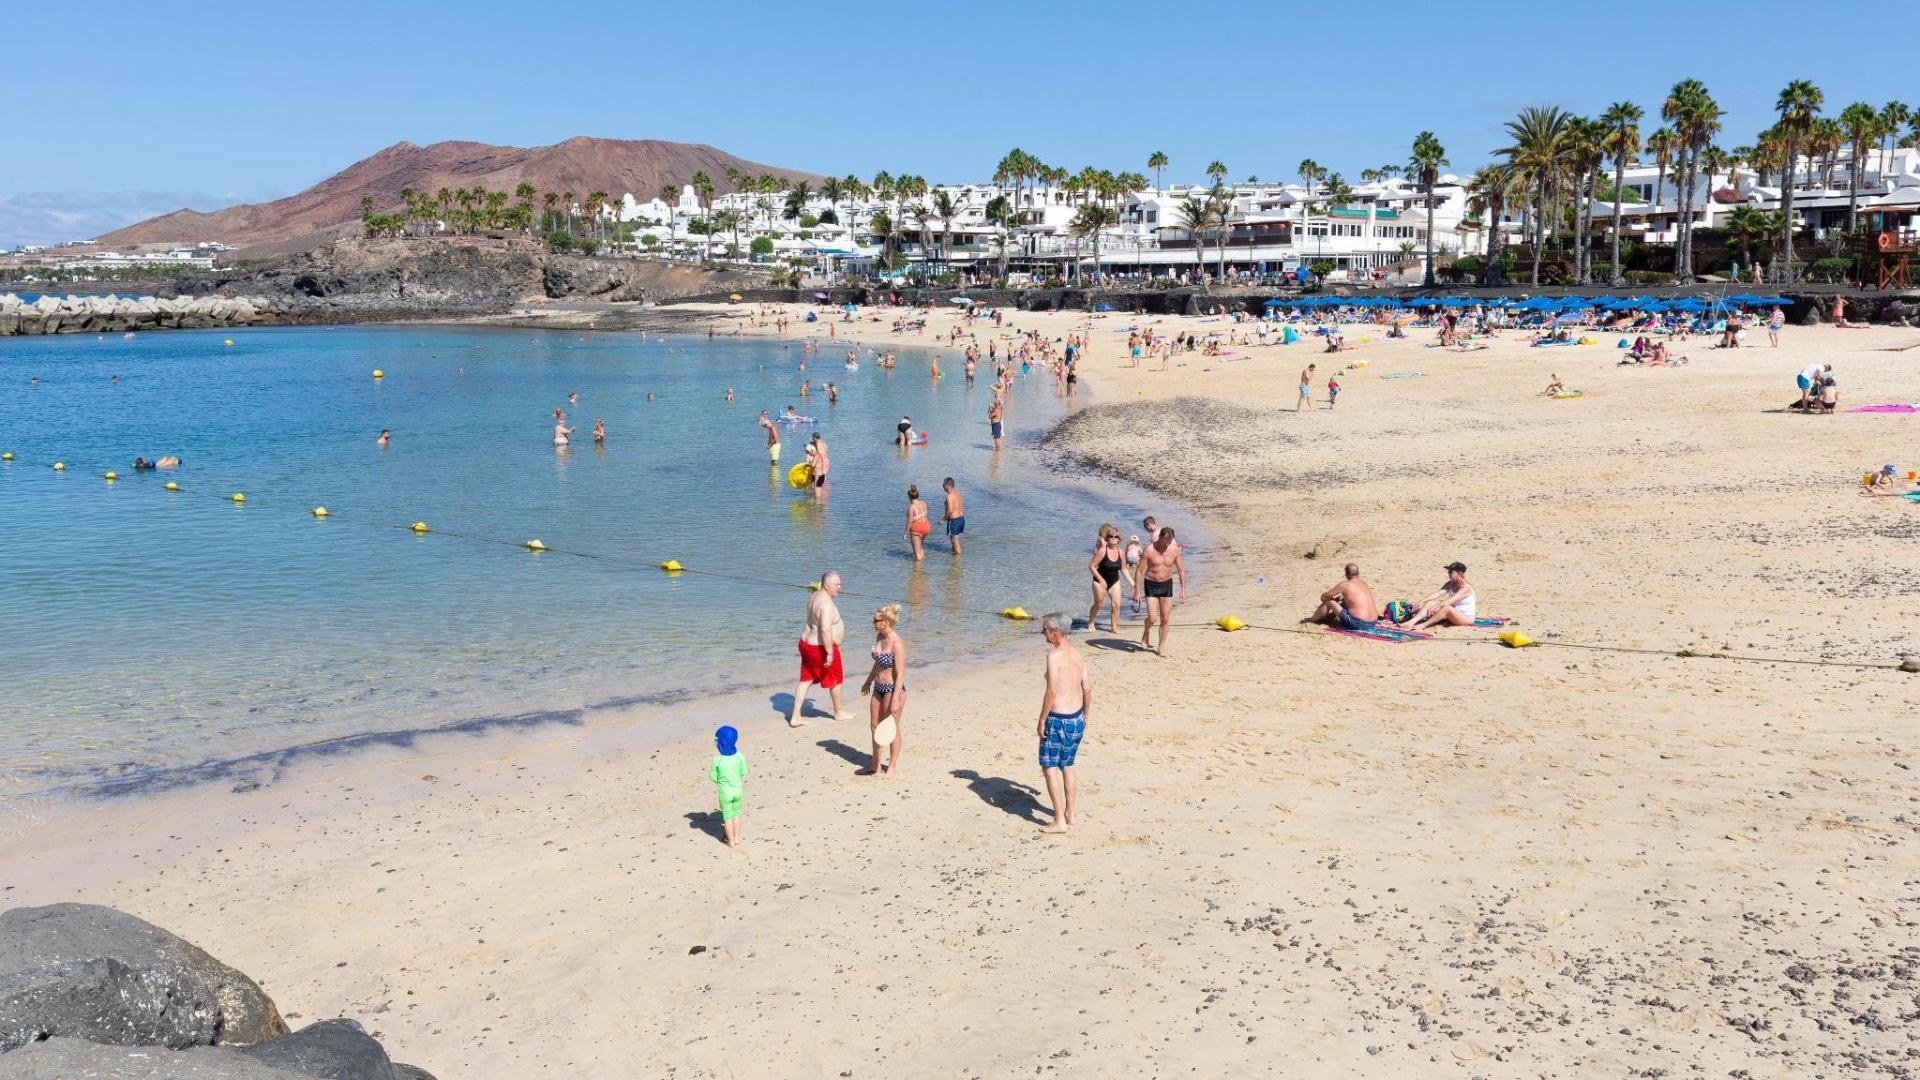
[{"x": 1455, "y": 604}]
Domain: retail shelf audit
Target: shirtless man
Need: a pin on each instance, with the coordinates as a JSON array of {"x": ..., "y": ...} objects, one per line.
[
  {"x": 1306, "y": 389},
  {"x": 1064, "y": 710},
  {"x": 1349, "y": 604},
  {"x": 1160, "y": 564},
  {"x": 773, "y": 438},
  {"x": 995, "y": 418},
  {"x": 820, "y": 651},
  {"x": 955, "y": 514},
  {"x": 817, "y": 454}
]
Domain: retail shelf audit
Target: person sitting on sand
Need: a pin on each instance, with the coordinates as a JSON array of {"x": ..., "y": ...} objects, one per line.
[
  {"x": 1556, "y": 387},
  {"x": 1885, "y": 482},
  {"x": 1350, "y": 604},
  {"x": 1453, "y": 605},
  {"x": 1829, "y": 393}
]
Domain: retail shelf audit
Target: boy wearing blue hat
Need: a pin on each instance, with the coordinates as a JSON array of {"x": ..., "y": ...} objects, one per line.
[{"x": 728, "y": 771}]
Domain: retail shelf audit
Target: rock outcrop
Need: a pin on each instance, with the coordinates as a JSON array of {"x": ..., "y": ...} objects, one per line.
[
  {"x": 88, "y": 991},
  {"x": 99, "y": 974}
]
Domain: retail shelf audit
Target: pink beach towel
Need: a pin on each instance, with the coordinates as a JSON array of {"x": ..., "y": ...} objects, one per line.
[{"x": 1887, "y": 408}]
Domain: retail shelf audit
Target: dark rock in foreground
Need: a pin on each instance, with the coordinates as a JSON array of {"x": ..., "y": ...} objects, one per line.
[
  {"x": 87, "y": 991},
  {"x": 95, "y": 973}
]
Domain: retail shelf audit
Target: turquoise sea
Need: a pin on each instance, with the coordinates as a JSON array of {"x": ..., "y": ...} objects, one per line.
[{"x": 154, "y": 639}]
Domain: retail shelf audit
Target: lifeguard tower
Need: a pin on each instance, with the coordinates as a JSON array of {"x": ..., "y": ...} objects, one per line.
[{"x": 1890, "y": 245}]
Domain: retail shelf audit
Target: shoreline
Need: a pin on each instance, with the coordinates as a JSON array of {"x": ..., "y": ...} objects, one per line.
[{"x": 1300, "y": 853}]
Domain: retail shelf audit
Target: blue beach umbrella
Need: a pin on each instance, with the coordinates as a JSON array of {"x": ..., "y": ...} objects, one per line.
[{"x": 1275, "y": 303}]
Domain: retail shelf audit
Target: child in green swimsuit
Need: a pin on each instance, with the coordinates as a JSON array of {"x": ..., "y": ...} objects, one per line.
[{"x": 728, "y": 771}]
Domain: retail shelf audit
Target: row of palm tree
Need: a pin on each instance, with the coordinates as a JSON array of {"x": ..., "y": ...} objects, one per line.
[
  {"x": 1553, "y": 167},
  {"x": 468, "y": 210}
]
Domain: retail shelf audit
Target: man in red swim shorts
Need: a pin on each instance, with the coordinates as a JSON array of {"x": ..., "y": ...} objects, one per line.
[{"x": 820, "y": 651}]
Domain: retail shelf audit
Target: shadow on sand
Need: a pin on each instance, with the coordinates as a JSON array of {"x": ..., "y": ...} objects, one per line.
[
  {"x": 1003, "y": 794},
  {"x": 845, "y": 752},
  {"x": 708, "y": 821}
]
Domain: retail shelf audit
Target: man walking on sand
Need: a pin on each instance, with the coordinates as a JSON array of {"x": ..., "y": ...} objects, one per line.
[
  {"x": 1064, "y": 710},
  {"x": 1159, "y": 565},
  {"x": 1350, "y": 604},
  {"x": 955, "y": 514},
  {"x": 1306, "y": 389},
  {"x": 820, "y": 651}
]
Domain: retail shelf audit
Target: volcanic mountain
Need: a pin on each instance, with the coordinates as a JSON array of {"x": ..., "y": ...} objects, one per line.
[{"x": 331, "y": 208}]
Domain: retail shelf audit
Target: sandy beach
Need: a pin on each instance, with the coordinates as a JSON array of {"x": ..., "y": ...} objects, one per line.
[{"x": 1302, "y": 854}]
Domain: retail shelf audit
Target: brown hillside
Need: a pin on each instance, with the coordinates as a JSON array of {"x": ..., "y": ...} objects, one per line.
[{"x": 331, "y": 208}]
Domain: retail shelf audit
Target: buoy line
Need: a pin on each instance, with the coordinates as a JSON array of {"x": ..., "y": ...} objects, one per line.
[{"x": 1225, "y": 624}]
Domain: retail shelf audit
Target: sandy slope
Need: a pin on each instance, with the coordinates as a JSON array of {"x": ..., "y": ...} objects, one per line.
[{"x": 1302, "y": 854}]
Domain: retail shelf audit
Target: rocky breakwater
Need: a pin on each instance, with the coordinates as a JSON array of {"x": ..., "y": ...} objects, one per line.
[
  {"x": 115, "y": 314},
  {"x": 88, "y": 991}
]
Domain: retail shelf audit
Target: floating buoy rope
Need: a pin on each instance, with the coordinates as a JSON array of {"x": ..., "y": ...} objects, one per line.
[{"x": 1510, "y": 638}]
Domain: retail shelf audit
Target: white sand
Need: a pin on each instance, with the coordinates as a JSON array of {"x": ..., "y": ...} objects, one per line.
[{"x": 1301, "y": 854}]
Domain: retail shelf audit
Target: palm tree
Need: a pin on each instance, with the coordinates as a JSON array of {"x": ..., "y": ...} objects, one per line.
[
  {"x": 1222, "y": 202},
  {"x": 1489, "y": 193},
  {"x": 1217, "y": 173},
  {"x": 1429, "y": 157},
  {"x": 945, "y": 209},
  {"x": 1862, "y": 122},
  {"x": 1622, "y": 120},
  {"x": 1539, "y": 158},
  {"x": 1892, "y": 115},
  {"x": 1661, "y": 144},
  {"x": 1308, "y": 170},
  {"x": 552, "y": 199},
  {"x": 999, "y": 213},
  {"x": 1747, "y": 223},
  {"x": 833, "y": 189},
  {"x": 1696, "y": 120},
  {"x": 796, "y": 202},
  {"x": 1799, "y": 102},
  {"x": 1157, "y": 161},
  {"x": 1196, "y": 216},
  {"x": 1088, "y": 222},
  {"x": 702, "y": 185}
]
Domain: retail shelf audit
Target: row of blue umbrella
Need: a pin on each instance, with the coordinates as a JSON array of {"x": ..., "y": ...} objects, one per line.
[{"x": 1540, "y": 303}]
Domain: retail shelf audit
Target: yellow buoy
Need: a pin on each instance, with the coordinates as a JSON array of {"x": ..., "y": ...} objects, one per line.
[
  {"x": 239, "y": 496},
  {"x": 229, "y": 341},
  {"x": 535, "y": 545},
  {"x": 800, "y": 475},
  {"x": 8, "y": 456},
  {"x": 59, "y": 465},
  {"x": 378, "y": 374},
  {"x": 1017, "y": 614},
  {"x": 1229, "y": 623},
  {"x": 672, "y": 566},
  {"x": 171, "y": 486},
  {"x": 111, "y": 475},
  {"x": 1514, "y": 639},
  {"x": 418, "y": 526},
  {"x": 813, "y": 586},
  {"x": 319, "y": 511}
]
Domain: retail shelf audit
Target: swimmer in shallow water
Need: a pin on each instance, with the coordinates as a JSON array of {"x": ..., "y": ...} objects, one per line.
[
  {"x": 383, "y": 440},
  {"x": 560, "y": 428}
]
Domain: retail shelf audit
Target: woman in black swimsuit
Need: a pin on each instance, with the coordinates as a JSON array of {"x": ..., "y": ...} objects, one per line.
[{"x": 1107, "y": 567}]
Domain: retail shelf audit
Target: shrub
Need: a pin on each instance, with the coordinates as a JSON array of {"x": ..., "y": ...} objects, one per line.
[
  {"x": 808, "y": 221},
  {"x": 1831, "y": 270},
  {"x": 761, "y": 246},
  {"x": 827, "y": 217}
]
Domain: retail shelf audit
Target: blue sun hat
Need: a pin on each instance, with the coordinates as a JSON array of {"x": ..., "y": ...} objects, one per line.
[{"x": 727, "y": 739}]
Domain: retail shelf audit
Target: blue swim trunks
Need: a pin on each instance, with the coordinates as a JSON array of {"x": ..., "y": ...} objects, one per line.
[
  {"x": 1061, "y": 742},
  {"x": 956, "y": 526},
  {"x": 1349, "y": 622}
]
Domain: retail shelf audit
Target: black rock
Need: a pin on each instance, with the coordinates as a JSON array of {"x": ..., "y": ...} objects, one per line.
[
  {"x": 330, "y": 1049},
  {"x": 94, "y": 973}
]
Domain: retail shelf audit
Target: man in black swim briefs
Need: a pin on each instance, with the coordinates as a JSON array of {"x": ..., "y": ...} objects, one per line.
[{"x": 1160, "y": 565}]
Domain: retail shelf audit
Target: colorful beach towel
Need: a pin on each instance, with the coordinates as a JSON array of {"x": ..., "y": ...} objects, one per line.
[
  {"x": 1912, "y": 496},
  {"x": 1381, "y": 632},
  {"x": 1886, "y": 408},
  {"x": 1492, "y": 620}
]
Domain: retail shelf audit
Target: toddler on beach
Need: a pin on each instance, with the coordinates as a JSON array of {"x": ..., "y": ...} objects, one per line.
[{"x": 728, "y": 771}]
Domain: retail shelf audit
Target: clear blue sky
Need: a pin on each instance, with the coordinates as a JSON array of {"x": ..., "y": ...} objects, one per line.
[{"x": 148, "y": 106}]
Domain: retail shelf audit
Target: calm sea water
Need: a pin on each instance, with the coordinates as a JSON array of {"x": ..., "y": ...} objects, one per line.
[{"x": 152, "y": 637}]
